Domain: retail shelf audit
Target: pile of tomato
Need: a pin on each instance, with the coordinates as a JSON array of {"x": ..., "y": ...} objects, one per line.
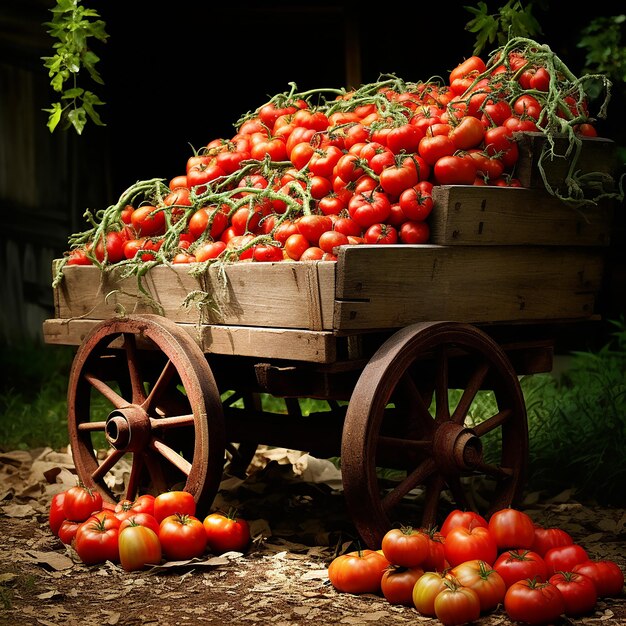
[
  {"x": 472, "y": 567},
  {"x": 308, "y": 172},
  {"x": 142, "y": 532}
]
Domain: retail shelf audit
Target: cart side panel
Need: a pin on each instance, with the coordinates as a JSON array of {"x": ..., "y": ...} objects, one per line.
[
  {"x": 393, "y": 286},
  {"x": 285, "y": 295},
  {"x": 467, "y": 215}
]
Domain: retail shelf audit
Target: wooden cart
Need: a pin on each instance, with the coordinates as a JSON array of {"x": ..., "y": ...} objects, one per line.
[{"x": 399, "y": 341}]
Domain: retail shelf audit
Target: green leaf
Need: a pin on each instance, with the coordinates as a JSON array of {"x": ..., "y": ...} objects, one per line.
[
  {"x": 78, "y": 118},
  {"x": 55, "y": 115},
  {"x": 89, "y": 101},
  {"x": 76, "y": 92}
]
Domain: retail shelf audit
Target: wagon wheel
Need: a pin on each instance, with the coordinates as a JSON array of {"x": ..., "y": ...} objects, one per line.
[
  {"x": 141, "y": 387},
  {"x": 405, "y": 414}
]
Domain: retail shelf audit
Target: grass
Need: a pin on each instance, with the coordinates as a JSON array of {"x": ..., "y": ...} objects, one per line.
[{"x": 577, "y": 424}]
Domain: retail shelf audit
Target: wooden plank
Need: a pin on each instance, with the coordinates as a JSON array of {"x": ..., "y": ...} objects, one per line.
[
  {"x": 267, "y": 343},
  {"x": 392, "y": 286},
  {"x": 472, "y": 215},
  {"x": 597, "y": 154},
  {"x": 285, "y": 295}
]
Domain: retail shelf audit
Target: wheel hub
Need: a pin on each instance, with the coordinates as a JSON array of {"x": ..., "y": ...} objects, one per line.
[
  {"x": 128, "y": 428},
  {"x": 456, "y": 448}
]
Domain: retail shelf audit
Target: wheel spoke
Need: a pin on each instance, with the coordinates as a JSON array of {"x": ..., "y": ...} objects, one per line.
[
  {"x": 469, "y": 393},
  {"x": 177, "y": 421},
  {"x": 152, "y": 463},
  {"x": 160, "y": 386},
  {"x": 132, "y": 358},
  {"x": 107, "y": 392},
  {"x": 491, "y": 469},
  {"x": 458, "y": 493},
  {"x": 417, "y": 477},
  {"x": 132, "y": 488},
  {"x": 434, "y": 488},
  {"x": 441, "y": 385},
  {"x": 411, "y": 445},
  {"x": 171, "y": 455},
  {"x": 107, "y": 464},
  {"x": 92, "y": 426},
  {"x": 419, "y": 409},
  {"x": 493, "y": 422}
]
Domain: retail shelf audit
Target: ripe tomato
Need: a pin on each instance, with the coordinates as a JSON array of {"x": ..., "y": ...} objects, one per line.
[
  {"x": 267, "y": 253},
  {"x": 563, "y": 558},
  {"x": 455, "y": 170},
  {"x": 465, "y": 519},
  {"x": 404, "y": 138},
  {"x": 295, "y": 245},
  {"x": 56, "y": 514},
  {"x": 141, "y": 519},
  {"x": 148, "y": 221},
  {"x": 142, "y": 504},
  {"x": 312, "y": 227},
  {"x": 546, "y": 538},
  {"x": 432, "y": 148},
  {"x": 426, "y": 589},
  {"x": 484, "y": 580},
  {"x": 80, "y": 502},
  {"x": 369, "y": 208},
  {"x": 514, "y": 565},
  {"x": 456, "y": 604},
  {"x": 226, "y": 532},
  {"x": 112, "y": 248},
  {"x": 533, "y": 602},
  {"x": 527, "y": 105},
  {"x": 182, "y": 536},
  {"x": 96, "y": 540},
  {"x": 381, "y": 234},
  {"x": 331, "y": 239},
  {"x": 606, "y": 575},
  {"x": 512, "y": 528},
  {"x": 416, "y": 204},
  {"x": 209, "y": 250},
  {"x": 468, "y": 544},
  {"x": 78, "y": 256},
  {"x": 472, "y": 66},
  {"x": 499, "y": 142},
  {"x": 468, "y": 133},
  {"x": 436, "y": 560},
  {"x": 172, "y": 502},
  {"x": 67, "y": 531},
  {"x": 315, "y": 253},
  {"x": 578, "y": 591},
  {"x": 139, "y": 546},
  {"x": 405, "y": 546},
  {"x": 360, "y": 571},
  {"x": 414, "y": 232},
  {"x": 397, "y": 584}
]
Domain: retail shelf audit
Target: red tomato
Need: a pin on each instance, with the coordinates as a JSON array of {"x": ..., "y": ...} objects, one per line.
[
  {"x": 96, "y": 540},
  {"x": 468, "y": 544},
  {"x": 209, "y": 250},
  {"x": 432, "y": 148},
  {"x": 312, "y": 227},
  {"x": 80, "y": 502},
  {"x": 142, "y": 504},
  {"x": 358, "y": 572},
  {"x": 141, "y": 519},
  {"x": 527, "y": 105},
  {"x": 404, "y": 138},
  {"x": 182, "y": 536},
  {"x": 578, "y": 591},
  {"x": 484, "y": 580},
  {"x": 113, "y": 249},
  {"x": 226, "y": 532},
  {"x": 78, "y": 256},
  {"x": 512, "y": 528},
  {"x": 455, "y": 170},
  {"x": 606, "y": 575},
  {"x": 533, "y": 602},
  {"x": 426, "y": 589},
  {"x": 499, "y": 142},
  {"x": 56, "y": 514},
  {"x": 464, "y": 519},
  {"x": 468, "y": 133},
  {"x": 457, "y": 605},
  {"x": 416, "y": 204},
  {"x": 414, "y": 232},
  {"x": 67, "y": 531},
  {"x": 381, "y": 234},
  {"x": 369, "y": 208},
  {"x": 139, "y": 546},
  {"x": 472, "y": 66},
  {"x": 148, "y": 221},
  {"x": 436, "y": 560},
  {"x": 315, "y": 253},
  {"x": 405, "y": 546},
  {"x": 563, "y": 558},
  {"x": 172, "y": 502},
  {"x": 514, "y": 565},
  {"x": 349, "y": 167},
  {"x": 331, "y": 239},
  {"x": 397, "y": 584},
  {"x": 267, "y": 253},
  {"x": 546, "y": 538},
  {"x": 295, "y": 245}
]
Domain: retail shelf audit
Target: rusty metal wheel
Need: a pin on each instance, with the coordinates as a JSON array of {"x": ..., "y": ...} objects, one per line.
[
  {"x": 144, "y": 411},
  {"x": 415, "y": 415}
]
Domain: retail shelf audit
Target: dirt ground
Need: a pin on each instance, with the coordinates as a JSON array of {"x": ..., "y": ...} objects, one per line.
[{"x": 298, "y": 522}]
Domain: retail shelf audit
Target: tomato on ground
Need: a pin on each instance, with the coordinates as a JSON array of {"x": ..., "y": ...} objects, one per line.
[
  {"x": 359, "y": 571},
  {"x": 139, "y": 546},
  {"x": 226, "y": 532}
]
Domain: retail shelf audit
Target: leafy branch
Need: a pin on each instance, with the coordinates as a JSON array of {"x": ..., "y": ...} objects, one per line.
[
  {"x": 511, "y": 20},
  {"x": 72, "y": 26}
]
